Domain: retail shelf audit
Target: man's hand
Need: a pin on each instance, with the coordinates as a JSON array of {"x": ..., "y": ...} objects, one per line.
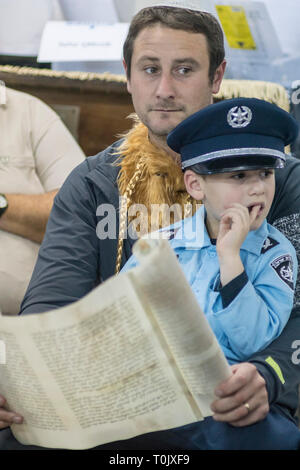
[
  {"x": 245, "y": 386},
  {"x": 8, "y": 417}
]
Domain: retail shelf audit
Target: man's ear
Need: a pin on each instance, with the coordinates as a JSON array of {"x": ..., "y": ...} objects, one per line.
[
  {"x": 126, "y": 73},
  {"x": 194, "y": 184},
  {"x": 219, "y": 74}
]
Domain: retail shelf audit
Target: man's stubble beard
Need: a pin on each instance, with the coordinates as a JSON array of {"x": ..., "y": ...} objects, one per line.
[{"x": 159, "y": 132}]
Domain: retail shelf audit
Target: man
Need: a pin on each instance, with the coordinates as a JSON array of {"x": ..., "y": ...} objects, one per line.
[
  {"x": 37, "y": 153},
  {"x": 174, "y": 59}
]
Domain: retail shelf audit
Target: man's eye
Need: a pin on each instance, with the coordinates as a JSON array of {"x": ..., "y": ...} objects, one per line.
[
  {"x": 183, "y": 70},
  {"x": 150, "y": 70}
]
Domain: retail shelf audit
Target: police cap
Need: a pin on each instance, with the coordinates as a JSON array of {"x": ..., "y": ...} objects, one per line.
[{"x": 235, "y": 134}]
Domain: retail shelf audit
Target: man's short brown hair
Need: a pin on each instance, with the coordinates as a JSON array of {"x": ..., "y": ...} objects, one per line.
[{"x": 182, "y": 19}]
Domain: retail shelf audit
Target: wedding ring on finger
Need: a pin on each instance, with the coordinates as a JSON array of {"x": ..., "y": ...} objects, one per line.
[{"x": 246, "y": 405}]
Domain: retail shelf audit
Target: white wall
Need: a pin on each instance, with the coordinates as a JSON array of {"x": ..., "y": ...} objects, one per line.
[
  {"x": 89, "y": 10},
  {"x": 285, "y": 15},
  {"x": 22, "y": 23}
]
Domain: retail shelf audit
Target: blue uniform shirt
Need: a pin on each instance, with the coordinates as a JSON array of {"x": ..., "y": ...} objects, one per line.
[{"x": 259, "y": 311}]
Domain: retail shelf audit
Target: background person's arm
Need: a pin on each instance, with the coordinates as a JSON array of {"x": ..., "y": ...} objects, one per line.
[
  {"x": 27, "y": 215},
  {"x": 55, "y": 153}
]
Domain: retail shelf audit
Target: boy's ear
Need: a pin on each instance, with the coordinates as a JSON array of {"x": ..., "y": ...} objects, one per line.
[{"x": 193, "y": 184}]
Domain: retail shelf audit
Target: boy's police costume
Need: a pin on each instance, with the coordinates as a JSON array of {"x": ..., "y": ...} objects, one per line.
[{"x": 251, "y": 311}]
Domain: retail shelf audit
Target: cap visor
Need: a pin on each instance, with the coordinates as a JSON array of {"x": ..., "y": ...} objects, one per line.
[{"x": 227, "y": 164}]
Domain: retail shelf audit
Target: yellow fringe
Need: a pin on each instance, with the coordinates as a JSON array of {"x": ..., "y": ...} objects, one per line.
[
  {"x": 268, "y": 91},
  {"x": 72, "y": 75}
]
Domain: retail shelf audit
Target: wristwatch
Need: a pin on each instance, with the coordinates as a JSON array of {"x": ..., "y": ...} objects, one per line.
[{"x": 3, "y": 204}]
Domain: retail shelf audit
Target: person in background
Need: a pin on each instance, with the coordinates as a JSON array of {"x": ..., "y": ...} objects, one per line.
[{"x": 37, "y": 152}]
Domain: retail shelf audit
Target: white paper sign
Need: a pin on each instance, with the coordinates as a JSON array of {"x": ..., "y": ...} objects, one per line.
[{"x": 76, "y": 41}]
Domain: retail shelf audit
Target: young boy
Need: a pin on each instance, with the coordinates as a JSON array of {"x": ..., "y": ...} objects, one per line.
[{"x": 242, "y": 270}]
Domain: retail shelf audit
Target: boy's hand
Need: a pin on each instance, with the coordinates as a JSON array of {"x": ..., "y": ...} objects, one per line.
[{"x": 235, "y": 224}]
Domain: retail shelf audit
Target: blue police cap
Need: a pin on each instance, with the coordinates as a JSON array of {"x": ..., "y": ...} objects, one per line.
[{"x": 235, "y": 134}]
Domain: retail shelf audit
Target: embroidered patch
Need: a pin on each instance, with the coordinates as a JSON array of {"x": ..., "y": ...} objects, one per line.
[
  {"x": 284, "y": 268},
  {"x": 268, "y": 244},
  {"x": 290, "y": 227}
]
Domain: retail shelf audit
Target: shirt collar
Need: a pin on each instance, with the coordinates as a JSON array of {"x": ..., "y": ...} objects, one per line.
[{"x": 191, "y": 233}]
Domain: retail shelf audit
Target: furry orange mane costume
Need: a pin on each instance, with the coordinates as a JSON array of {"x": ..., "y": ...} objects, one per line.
[{"x": 148, "y": 176}]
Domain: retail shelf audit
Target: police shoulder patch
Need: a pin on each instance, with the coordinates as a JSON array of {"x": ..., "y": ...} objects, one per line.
[
  {"x": 283, "y": 266},
  {"x": 268, "y": 244}
]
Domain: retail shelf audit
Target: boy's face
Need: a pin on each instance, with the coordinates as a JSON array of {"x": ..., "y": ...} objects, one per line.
[{"x": 219, "y": 191}]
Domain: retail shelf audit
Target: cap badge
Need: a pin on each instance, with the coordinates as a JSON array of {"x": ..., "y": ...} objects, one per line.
[{"x": 239, "y": 116}]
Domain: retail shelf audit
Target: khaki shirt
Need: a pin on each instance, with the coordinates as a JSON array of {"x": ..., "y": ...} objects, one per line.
[{"x": 37, "y": 153}]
